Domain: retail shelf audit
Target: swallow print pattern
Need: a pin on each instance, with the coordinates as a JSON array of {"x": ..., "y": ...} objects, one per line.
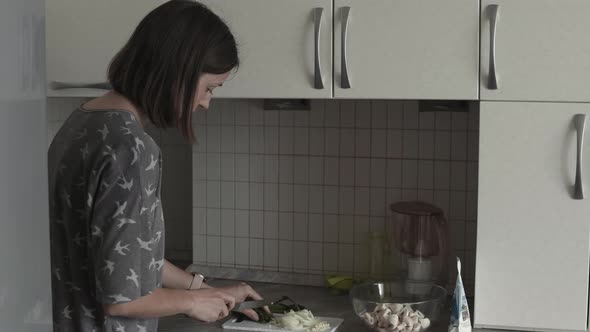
[{"x": 107, "y": 227}]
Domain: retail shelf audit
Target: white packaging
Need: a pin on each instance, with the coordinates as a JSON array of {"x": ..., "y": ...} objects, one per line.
[{"x": 460, "y": 319}]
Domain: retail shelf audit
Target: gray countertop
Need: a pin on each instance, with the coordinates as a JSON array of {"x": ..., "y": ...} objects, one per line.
[{"x": 320, "y": 300}]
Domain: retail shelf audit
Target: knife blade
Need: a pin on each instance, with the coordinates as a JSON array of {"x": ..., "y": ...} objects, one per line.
[{"x": 251, "y": 305}]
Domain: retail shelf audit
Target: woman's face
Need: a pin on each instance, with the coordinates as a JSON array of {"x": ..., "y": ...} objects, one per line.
[{"x": 207, "y": 83}]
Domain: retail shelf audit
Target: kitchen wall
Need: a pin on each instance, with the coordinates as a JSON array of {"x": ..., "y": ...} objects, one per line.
[
  {"x": 298, "y": 191},
  {"x": 176, "y": 184}
]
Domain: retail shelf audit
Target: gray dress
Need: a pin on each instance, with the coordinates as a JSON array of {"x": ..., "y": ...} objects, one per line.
[{"x": 107, "y": 227}]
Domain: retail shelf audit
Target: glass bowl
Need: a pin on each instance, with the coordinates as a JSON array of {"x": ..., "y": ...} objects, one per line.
[{"x": 398, "y": 306}]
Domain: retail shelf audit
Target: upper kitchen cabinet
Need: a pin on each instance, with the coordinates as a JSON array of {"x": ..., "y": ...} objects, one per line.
[
  {"x": 82, "y": 36},
  {"x": 535, "y": 50},
  {"x": 406, "y": 49},
  {"x": 285, "y": 48},
  {"x": 533, "y": 230}
]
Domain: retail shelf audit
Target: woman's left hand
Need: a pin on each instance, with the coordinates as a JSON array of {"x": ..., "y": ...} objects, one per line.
[{"x": 241, "y": 292}]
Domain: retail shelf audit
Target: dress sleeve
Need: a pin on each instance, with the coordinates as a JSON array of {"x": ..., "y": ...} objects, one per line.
[{"x": 124, "y": 239}]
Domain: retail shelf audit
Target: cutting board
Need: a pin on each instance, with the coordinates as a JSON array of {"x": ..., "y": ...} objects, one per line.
[{"x": 247, "y": 325}]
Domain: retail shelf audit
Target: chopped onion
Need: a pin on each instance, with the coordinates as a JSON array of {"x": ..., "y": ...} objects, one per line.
[{"x": 300, "y": 321}]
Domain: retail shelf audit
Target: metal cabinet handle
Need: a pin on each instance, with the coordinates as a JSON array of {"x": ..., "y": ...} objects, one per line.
[
  {"x": 317, "y": 15},
  {"x": 345, "y": 82},
  {"x": 56, "y": 85},
  {"x": 492, "y": 78},
  {"x": 580, "y": 122}
]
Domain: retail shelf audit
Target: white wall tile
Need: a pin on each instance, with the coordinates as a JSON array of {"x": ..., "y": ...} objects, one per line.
[
  {"x": 242, "y": 251},
  {"x": 330, "y": 257},
  {"x": 271, "y": 253},
  {"x": 362, "y": 201},
  {"x": 330, "y": 230},
  {"x": 347, "y": 171},
  {"x": 362, "y": 172},
  {"x": 410, "y": 173},
  {"x": 241, "y": 112},
  {"x": 347, "y": 113},
  {"x": 459, "y": 121},
  {"x": 213, "y": 249},
  {"x": 345, "y": 252},
  {"x": 285, "y": 197},
  {"x": 363, "y": 143},
  {"x": 271, "y": 196},
  {"x": 242, "y": 167},
  {"x": 271, "y": 118},
  {"x": 346, "y": 200},
  {"x": 426, "y": 146},
  {"x": 393, "y": 195},
  {"x": 300, "y": 169},
  {"x": 361, "y": 258},
  {"x": 271, "y": 168},
  {"x": 257, "y": 196},
  {"x": 394, "y": 173},
  {"x": 199, "y": 166},
  {"x": 442, "y": 145},
  {"x": 458, "y": 175},
  {"x": 271, "y": 140},
  {"x": 286, "y": 255},
  {"x": 315, "y": 256},
  {"x": 410, "y": 144},
  {"x": 257, "y": 140},
  {"x": 301, "y": 118},
  {"x": 227, "y": 167},
  {"x": 228, "y": 192},
  {"x": 316, "y": 170},
  {"x": 347, "y": 142},
  {"x": 470, "y": 235},
  {"x": 316, "y": 227},
  {"x": 285, "y": 226},
  {"x": 363, "y": 114},
  {"x": 442, "y": 200},
  {"x": 300, "y": 198},
  {"x": 242, "y": 195},
  {"x": 271, "y": 225},
  {"x": 332, "y": 139},
  {"x": 332, "y": 113},
  {"x": 443, "y": 120},
  {"x": 379, "y": 114},
  {"x": 256, "y": 224},
  {"x": 379, "y": 143},
  {"x": 316, "y": 199},
  {"x": 200, "y": 249},
  {"x": 378, "y": 173},
  {"x": 346, "y": 229},
  {"x": 242, "y": 223},
  {"x": 331, "y": 171},
  {"x": 300, "y": 255},
  {"x": 457, "y": 207},
  {"x": 301, "y": 140},
  {"x": 331, "y": 199},
  {"x": 316, "y": 114},
  {"x": 471, "y": 201},
  {"x": 199, "y": 193},
  {"x": 316, "y": 141},
  {"x": 427, "y": 120},
  {"x": 213, "y": 139},
  {"x": 395, "y": 114},
  {"x": 228, "y": 227},
  {"x": 426, "y": 195},
  {"x": 213, "y": 166},
  {"x": 442, "y": 174},
  {"x": 394, "y": 144},
  {"x": 457, "y": 234},
  {"x": 459, "y": 145},
  {"x": 257, "y": 167},
  {"x": 227, "y": 139},
  {"x": 286, "y": 118},
  {"x": 256, "y": 252},
  {"x": 286, "y": 169},
  {"x": 256, "y": 112},
  {"x": 242, "y": 139},
  {"x": 300, "y": 229},
  {"x": 213, "y": 222},
  {"x": 425, "y": 174},
  {"x": 411, "y": 115},
  {"x": 361, "y": 229},
  {"x": 376, "y": 224},
  {"x": 213, "y": 194},
  {"x": 199, "y": 221},
  {"x": 286, "y": 140},
  {"x": 378, "y": 204},
  {"x": 214, "y": 115},
  {"x": 228, "y": 250},
  {"x": 473, "y": 146}
]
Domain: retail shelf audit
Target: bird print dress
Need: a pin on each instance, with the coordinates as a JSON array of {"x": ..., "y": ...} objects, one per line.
[{"x": 107, "y": 227}]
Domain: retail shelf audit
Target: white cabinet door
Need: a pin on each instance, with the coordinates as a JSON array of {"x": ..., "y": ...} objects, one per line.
[
  {"x": 84, "y": 35},
  {"x": 533, "y": 236},
  {"x": 406, "y": 49},
  {"x": 277, "y": 47},
  {"x": 541, "y": 50}
]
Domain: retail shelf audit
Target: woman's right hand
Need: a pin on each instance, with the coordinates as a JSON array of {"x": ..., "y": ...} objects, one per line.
[{"x": 209, "y": 304}]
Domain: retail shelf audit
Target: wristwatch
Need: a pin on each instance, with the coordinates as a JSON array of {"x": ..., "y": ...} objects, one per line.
[{"x": 197, "y": 281}]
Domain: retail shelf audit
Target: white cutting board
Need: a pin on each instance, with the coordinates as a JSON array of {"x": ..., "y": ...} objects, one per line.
[{"x": 248, "y": 325}]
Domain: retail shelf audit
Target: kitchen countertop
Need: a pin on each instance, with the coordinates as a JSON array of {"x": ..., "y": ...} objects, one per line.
[{"x": 319, "y": 300}]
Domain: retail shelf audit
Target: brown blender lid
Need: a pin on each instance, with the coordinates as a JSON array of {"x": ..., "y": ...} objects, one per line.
[{"x": 416, "y": 208}]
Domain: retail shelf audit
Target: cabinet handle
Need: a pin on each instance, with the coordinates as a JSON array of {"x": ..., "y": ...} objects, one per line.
[
  {"x": 580, "y": 122},
  {"x": 56, "y": 85},
  {"x": 318, "y": 82},
  {"x": 492, "y": 78},
  {"x": 344, "y": 64}
]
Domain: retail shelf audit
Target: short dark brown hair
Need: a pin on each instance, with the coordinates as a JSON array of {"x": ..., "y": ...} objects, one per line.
[{"x": 158, "y": 69}]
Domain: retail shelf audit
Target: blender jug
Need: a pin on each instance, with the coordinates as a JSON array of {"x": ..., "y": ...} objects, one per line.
[{"x": 420, "y": 234}]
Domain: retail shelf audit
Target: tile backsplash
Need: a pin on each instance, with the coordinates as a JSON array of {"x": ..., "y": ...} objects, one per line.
[{"x": 299, "y": 191}]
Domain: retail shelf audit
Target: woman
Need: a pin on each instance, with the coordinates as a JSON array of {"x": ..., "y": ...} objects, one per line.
[{"x": 107, "y": 228}]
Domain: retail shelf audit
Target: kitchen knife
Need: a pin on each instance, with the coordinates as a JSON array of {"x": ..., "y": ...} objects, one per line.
[{"x": 251, "y": 305}]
